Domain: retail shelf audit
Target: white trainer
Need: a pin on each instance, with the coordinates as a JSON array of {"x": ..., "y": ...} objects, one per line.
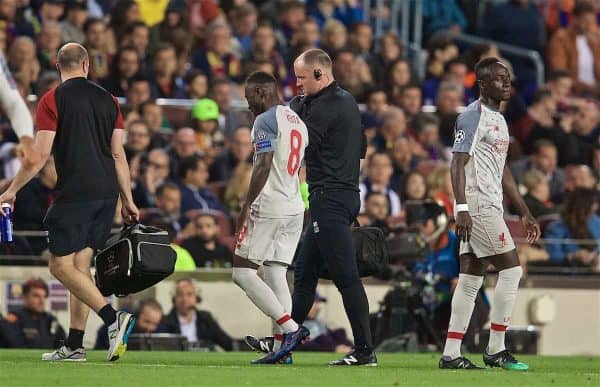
[
  {"x": 65, "y": 354},
  {"x": 118, "y": 334}
]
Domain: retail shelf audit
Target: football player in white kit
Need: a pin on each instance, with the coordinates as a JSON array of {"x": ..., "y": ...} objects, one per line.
[
  {"x": 479, "y": 180},
  {"x": 270, "y": 222},
  {"x": 15, "y": 108}
]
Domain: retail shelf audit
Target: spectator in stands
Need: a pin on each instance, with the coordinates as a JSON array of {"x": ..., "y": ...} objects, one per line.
[
  {"x": 47, "y": 81},
  {"x": 217, "y": 59},
  {"x": 441, "y": 50},
  {"x": 264, "y": 48},
  {"x": 198, "y": 326},
  {"x": 360, "y": 40},
  {"x": 578, "y": 221},
  {"x": 537, "y": 197},
  {"x": 397, "y": 76},
  {"x": 152, "y": 114},
  {"x": 410, "y": 100},
  {"x": 22, "y": 59},
  {"x": 174, "y": 20},
  {"x": 347, "y": 12},
  {"x": 125, "y": 65},
  {"x": 577, "y": 49},
  {"x": 292, "y": 15},
  {"x": 544, "y": 159},
  {"x": 576, "y": 146},
  {"x": 425, "y": 128},
  {"x": 31, "y": 326},
  {"x": 413, "y": 186},
  {"x": 138, "y": 139},
  {"x": 390, "y": 50},
  {"x": 138, "y": 91},
  {"x": 394, "y": 127},
  {"x": 306, "y": 37},
  {"x": 441, "y": 15},
  {"x": 372, "y": 118},
  {"x": 193, "y": 175},
  {"x": 379, "y": 173},
  {"x": 376, "y": 211},
  {"x": 16, "y": 24},
  {"x": 243, "y": 21},
  {"x": 439, "y": 187},
  {"x": 72, "y": 25},
  {"x": 541, "y": 121},
  {"x": 323, "y": 338},
  {"x": 205, "y": 121},
  {"x": 168, "y": 206},
  {"x": 579, "y": 176},
  {"x": 239, "y": 152},
  {"x": 148, "y": 319},
  {"x": 560, "y": 84},
  {"x": 334, "y": 36},
  {"x": 221, "y": 91},
  {"x": 237, "y": 188},
  {"x": 166, "y": 83},
  {"x": 183, "y": 145},
  {"x": 96, "y": 44},
  {"x": 34, "y": 199},
  {"x": 352, "y": 73},
  {"x": 48, "y": 43},
  {"x": 448, "y": 100},
  {"x": 49, "y": 10},
  {"x": 137, "y": 36},
  {"x": 122, "y": 15},
  {"x": 404, "y": 160},
  {"x": 196, "y": 84},
  {"x": 154, "y": 173},
  {"x": 204, "y": 245}
]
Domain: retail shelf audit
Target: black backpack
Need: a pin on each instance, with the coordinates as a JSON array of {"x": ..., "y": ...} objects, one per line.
[
  {"x": 371, "y": 252},
  {"x": 133, "y": 260}
]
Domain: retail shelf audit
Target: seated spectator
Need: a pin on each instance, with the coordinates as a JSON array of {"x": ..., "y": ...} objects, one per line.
[
  {"x": 96, "y": 44},
  {"x": 205, "y": 121},
  {"x": 196, "y": 84},
  {"x": 439, "y": 185},
  {"x": 403, "y": 159},
  {"x": 22, "y": 59},
  {"x": 204, "y": 246},
  {"x": 183, "y": 145},
  {"x": 168, "y": 206},
  {"x": 352, "y": 73},
  {"x": 138, "y": 91},
  {"x": 222, "y": 92},
  {"x": 264, "y": 48},
  {"x": 543, "y": 159},
  {"x": 360, "y": 40},
  {"x": 449, "y": 99},
  {"x": 334, "y": 36},
  {"x": 347, "y": 12},
  {"x": 148, "y": 319},
  {"x": 152, "y": 114},
  {"x": 32, "y": 326},
  {"x": 217, "y": 59},
  {"x": 540, "y": 121},
  {"x": 576, "y": 146},
  {"x": 72, "y": 25},
  {"x": 193, "y": 176},
  {"x": 372, "y": 118},
  {"x": 239, "y": 152},
  {"x": 138, "y": 139},
  {"x": 577, "y": 50},
  {"x": 243, "y": 20},
  {"x": 237, "y": 188},
  {"x": 137, "y": 35},
  {"x": 441, "y": 50},
  {"x": 174, "y": 21},
  {"x": 198, "y": 326},
  {"x": 442, "y": 15},
  {"x": 48, "y": 43},
  {"x": 155, "y": 172},
  {"x": 323, "y": 338},
  {"x": 413, "y": 187},
  {"x": 379, "y": 173},
  {"x": 306, "y": 36},
  {"x": 578, "y": 221},
  {"x": 537, "y": 197},
  {"x": 291, "y": 17},
  {"x": 393, "y": 128},
  {"x": 425, "y": 128},
  {"x": 410, "y": 100},
  {"x": 166, "y": 83},
  {"x": 376, "y": 211},
  {"x": 579, "y": 176},
  {"x": 125, "y": 65},
  {"x": 390, "y": 50},
  {"x": 397, "y": 76}
]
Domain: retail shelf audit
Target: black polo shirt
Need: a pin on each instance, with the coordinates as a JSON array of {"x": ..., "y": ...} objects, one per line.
[
  {"x": 83, "y": 115},
  {"x": 335, "y": 138}
]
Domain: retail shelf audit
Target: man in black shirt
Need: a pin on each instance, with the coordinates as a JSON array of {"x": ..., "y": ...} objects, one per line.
[
  {"x": 81, "y": 124},
  {"x": 205, "y": 246},
  {"x": 335, "y": 148}
]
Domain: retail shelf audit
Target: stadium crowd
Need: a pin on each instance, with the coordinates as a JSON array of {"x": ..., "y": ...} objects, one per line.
[{"x": 190, "y": 167}]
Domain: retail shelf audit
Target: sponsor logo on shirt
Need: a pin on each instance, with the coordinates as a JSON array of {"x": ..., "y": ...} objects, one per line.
[
  {"x": 263, "y": 145},
  {"x": 500, "y": 145}
]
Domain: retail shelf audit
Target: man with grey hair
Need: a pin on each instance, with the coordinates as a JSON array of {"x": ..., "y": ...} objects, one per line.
[{"x": 81, "y": 124}]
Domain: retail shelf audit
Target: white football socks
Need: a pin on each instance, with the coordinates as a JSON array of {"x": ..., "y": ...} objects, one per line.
[{"x": 502, "y": 307}]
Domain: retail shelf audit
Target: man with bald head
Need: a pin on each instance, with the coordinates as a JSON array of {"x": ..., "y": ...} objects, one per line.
[
  {"x": 336, "y": 146},
  {"x": 81, "y": 124}
]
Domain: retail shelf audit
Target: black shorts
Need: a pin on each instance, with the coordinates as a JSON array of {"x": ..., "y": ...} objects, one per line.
[{"x": 74, "y": 226}]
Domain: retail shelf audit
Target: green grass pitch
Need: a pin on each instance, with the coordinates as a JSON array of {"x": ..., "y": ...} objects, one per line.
[{"x": 165, "y": 369}]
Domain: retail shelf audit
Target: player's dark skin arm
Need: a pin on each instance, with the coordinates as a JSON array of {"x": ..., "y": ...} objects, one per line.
[
  {"x": 510, "y": 189},
  {"x": 457, "y": 173},
  {"x": 260, "y": 174}
]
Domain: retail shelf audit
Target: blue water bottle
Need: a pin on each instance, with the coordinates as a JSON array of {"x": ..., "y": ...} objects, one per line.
[{"x": 6, "y": 228}]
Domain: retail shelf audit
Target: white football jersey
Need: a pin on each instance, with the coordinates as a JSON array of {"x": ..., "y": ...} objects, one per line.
[{"x": 280, "y": 130}]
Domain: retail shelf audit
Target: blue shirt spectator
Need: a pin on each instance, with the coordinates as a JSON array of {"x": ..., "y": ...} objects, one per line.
[{"x": 442, "y": 14}]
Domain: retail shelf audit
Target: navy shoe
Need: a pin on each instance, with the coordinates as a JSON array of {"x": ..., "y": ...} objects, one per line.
[
  {"x": 290, "y": 341},
  {"x": 270, "y": 358}
]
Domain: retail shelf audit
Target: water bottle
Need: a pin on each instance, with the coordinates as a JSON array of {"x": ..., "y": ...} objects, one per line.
[{"x": 6, "y": 228}]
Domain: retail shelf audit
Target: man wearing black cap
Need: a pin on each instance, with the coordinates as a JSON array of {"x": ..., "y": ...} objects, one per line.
[{"x": 72, "y": 27}]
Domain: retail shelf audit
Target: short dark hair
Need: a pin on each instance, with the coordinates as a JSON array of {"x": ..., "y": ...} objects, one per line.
[
  {"x": 316, "y": 56},
  {"x": 583, "y": 7},
  {"x": 145, "y": 104},
  {"x": 453, "y": 62},
  {"x": 187, "y": 164},
  {"x": 482, "y": 68},
  {"x": 410, "y": 85},
  {"x": 557, "y": 74},
  {"x": 134, "y": 25},
  {"x": 542, "y": 143},
  {"x": 541, "y": 95},
  {"x": 71, "y": 55},
  {"x": 261, "y": 78},
  {"x": 160, "y": 190},
  {"x": 137, "y": 78},
  {"x": 423, "y": 119},
  {"x": 192, "y": 74},
  {"x": 290, "y": 5},
  {"x": 150, "y": 303},
  {"x": 34, "y": 283},
  {"x": 90, "y": 22}
]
